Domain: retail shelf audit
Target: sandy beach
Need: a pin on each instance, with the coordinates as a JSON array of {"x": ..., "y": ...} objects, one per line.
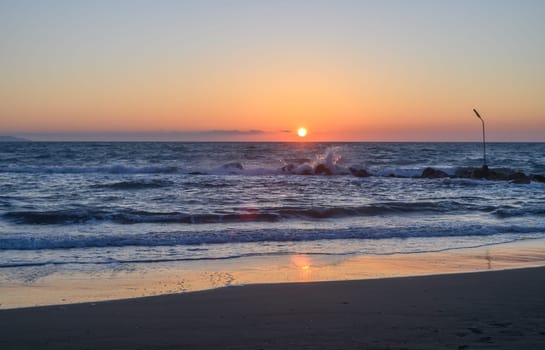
[
  {"x": 497, "y": 309},
  {"x": 261, "y": 175}
]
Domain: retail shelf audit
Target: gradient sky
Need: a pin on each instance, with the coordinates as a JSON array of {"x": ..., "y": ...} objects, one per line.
[{"x": 257, "y": 70}]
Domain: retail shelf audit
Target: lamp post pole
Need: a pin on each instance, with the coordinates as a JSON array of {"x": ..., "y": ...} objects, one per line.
[{"x": 484, "y": 140}]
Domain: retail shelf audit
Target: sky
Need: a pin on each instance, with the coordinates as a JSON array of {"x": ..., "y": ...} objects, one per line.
[{"x": 254, "y": 70}]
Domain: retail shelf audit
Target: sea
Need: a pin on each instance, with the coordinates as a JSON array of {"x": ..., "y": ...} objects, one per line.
[{"x": 79, "y": 206}]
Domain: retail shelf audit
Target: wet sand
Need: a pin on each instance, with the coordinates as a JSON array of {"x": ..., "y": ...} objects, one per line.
[
  {"x": 49, "y": 285},
  {"x": 497, "y": 309}
]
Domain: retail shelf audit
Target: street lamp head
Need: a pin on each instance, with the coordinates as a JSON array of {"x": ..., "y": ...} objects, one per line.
[{"x": 477, "y": 114}]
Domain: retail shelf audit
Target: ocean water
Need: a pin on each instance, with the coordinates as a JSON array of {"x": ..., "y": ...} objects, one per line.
[{"x": 80, "y": 205}]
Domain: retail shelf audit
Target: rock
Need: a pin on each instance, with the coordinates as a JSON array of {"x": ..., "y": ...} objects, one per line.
[
  {"x": 463, "y": 173},
  {"x": 359, "y": 172},
  {"x": 490, "y": 174},
  {"x": 303, "y": 169},
  {"x": 430, "y": 173},
  {"x": 322, "y": 169},
  {"x": 538, "y": 178},
  {"x": 288, "y": 168},
  {"x": 233, "y": 165},
  {"x": 494, "y": 175},
  {"x": 479, "y": 173},
  {"x": 520, "y": 178},
  {"x": 522, "y": 181},
  {"x": 482, "y": 173},
  {"x": 469, "y": 173}
]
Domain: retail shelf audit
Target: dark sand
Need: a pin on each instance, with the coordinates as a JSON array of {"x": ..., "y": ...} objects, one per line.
[{"x": 488, "y": 310}]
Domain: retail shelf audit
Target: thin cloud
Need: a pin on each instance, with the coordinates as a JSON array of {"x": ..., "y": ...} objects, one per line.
[
  {"x": 233, "y": 132},
  {"x": 199, "y": 135}
]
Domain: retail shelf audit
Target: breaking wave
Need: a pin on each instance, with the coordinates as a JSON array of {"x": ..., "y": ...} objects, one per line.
[
  {"x": 23, "y": 241},
  {"x": 132, "y": 216}
]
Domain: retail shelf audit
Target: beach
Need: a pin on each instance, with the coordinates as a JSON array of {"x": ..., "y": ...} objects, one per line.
[
  {"x": 240, "y": 174},
  {"x": 258, "y": 246},
  {"x": 498, "y": 309},
  {"x": 48, "y": 285}
]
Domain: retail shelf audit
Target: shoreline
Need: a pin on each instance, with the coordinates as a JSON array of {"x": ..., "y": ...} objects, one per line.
[
  {"x": 68, "y": 287},
  {"x": 494, "y": 309}
]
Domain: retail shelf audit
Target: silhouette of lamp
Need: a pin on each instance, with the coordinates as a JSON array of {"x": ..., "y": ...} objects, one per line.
[{"x": 484, "y": 139}]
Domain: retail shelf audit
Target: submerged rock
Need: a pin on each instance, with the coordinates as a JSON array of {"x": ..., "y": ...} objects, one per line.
[
  {"x": 359, "y": 172},
  {"x": 322, "y": 169},
  {"x": 430, "y": 173},
  {"x": 497, "y": 175},
  {"x": 233, "y": 165},
  {"x": 520, "y": 178},
  {"x": 480, "y": 173},
  {"x": 463, "y": 173},
  {"x": 538, "y": 178},
  {"x": 288, "y": 168}
]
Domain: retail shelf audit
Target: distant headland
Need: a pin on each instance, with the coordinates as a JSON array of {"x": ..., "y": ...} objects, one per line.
[{"x": 4, "y": 138}]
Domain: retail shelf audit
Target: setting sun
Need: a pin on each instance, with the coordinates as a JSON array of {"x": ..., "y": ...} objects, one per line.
[{"x": 302, "y": 132}]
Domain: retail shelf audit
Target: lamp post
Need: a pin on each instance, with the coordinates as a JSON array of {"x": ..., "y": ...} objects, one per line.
[{"x": 485, "y": 166}]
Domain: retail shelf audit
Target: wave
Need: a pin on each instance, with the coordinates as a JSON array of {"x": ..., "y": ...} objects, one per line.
[
  {"x": 22, "y": 241},
  {"x": 135, "y": 184},
  {"x": 111, "y": 169},
  {"x": 80, "y": 216},
  {"x": 518, "y": 212},
  {"x": 330, "y": 162},
  {"x": 141, "y": 260},
  {"x": 132, "y": 216}
]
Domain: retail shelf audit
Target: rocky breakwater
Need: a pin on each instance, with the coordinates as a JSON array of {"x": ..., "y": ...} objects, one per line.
[
  {"x": 328, "y": 168},
  {"x": 484, "y": 173}
]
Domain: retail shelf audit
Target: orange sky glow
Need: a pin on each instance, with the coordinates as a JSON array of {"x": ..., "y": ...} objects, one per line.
[{"x": 260, "y": 74}]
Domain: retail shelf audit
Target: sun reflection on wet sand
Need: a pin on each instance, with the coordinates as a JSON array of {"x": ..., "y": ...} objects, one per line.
[
  {"x": 302, "y": 265},
  {"x": 47, "y": 288}
]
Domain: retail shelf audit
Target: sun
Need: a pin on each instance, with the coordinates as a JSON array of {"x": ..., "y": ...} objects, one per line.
[{"x": 302, "y": 132}]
